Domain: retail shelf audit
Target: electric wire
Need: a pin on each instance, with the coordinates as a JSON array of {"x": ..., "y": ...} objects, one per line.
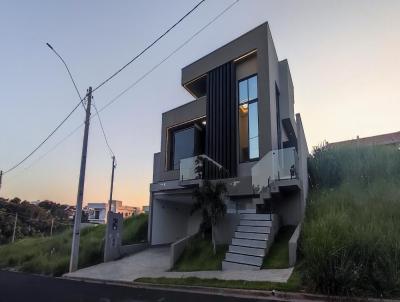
[
  {"x": 169, "y": 56},
  {"x": 43, "y": 142},
  {"x": 102, "y": 130},
  {"x": 98, "y": 86},
  {"x": 109, "y": 103},
  {"x": 148, "y": 47}
]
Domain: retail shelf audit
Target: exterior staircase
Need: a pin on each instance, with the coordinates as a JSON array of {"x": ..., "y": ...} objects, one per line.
[{"x": 252, "y": 239}]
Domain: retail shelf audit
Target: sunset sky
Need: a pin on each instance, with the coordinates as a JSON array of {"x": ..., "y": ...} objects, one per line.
[{"x": 343, "y": 56}]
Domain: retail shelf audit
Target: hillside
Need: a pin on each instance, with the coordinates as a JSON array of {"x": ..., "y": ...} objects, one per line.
[
  {"x": 50, "y": 255},
  {"x": 351, "y": 235}
]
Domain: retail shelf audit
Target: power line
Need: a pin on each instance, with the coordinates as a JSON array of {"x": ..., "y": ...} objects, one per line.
[
  {"x": 98, "y": 86},
  {"x": 137, "y": 81},
  {"x": 170, "y": 55},
  {"x": 102, "y": 129},
  {"x": 148, "y": 47},
  {"x": 44, "y": 141}
]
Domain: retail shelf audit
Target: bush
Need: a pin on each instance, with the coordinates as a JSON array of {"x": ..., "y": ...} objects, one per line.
[{"x": 350, "y": 240}]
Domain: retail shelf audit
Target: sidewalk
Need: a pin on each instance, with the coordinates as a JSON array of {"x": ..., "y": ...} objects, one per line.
[{"x": 154, "y": 262}]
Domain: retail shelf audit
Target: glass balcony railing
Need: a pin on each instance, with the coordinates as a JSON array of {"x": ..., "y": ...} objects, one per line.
[
  {"x": 191, "y": 168},
  {"x": 201, "y": 167},
  {"x": 275, "y": 165}
]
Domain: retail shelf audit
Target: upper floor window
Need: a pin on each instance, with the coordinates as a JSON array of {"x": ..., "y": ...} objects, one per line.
[
  {"x": 248, "y": 119},
  {"x": 186, "y": 141},
  {"x": 182, "y": 146}
]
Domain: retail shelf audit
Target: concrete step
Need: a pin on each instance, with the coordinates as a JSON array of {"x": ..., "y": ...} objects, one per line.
[
  {"x": 247, "y": 250},
  {"x": 247, "y": 211},
  {"x": 256, "y": 222},
  {"x": 262, "y": 244},
  {"x": 232, "y": 266},
  {"x": 255, "y": 216},
  {"x": 255, "y": 236},
  {"x": 244, "y": 259},
  {"x": 253, "y": 229}
]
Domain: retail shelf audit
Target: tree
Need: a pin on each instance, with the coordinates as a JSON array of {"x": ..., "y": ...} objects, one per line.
[{"x": 209, "y": 199}]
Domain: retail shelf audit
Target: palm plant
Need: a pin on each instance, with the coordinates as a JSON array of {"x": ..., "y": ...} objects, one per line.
[{"x": 209, "y": 199}]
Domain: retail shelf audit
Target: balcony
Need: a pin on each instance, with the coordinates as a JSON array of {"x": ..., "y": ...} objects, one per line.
[
  {"x": 276, "y": 166},
  {"x": 193, "y": 168}
]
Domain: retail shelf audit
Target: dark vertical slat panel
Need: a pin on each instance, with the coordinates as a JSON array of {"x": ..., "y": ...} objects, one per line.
[{"x": 221, "y": 121}]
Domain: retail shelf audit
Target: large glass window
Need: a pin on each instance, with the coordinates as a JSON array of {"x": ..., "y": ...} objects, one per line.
[
  {"x": 182, "y": 146},
  {"x": 248, "y": 119}
]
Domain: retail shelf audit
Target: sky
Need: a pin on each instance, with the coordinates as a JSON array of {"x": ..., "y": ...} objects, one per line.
[{"x": 343, "y": 56}]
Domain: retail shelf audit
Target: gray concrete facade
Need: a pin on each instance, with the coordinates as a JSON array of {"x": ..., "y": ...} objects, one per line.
[{"x": 171, "y": 198}]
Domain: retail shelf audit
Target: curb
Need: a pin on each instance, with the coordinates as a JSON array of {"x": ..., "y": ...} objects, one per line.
[{"x": 228, "y": 292}]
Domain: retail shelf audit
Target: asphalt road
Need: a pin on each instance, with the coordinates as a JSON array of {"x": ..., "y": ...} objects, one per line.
[{"x": 18, "y": 287}]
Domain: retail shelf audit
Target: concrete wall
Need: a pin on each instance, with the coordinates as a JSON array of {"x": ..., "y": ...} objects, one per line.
[
  {"x": 193, "y": 223},
  {"x": 293, "y": 245},
  {"x": 169, "y": 221},
  {"x": 177, "y": 249},
  {"x": 289, "y": 208},
  {"x": 273, "y": 69},
  {"x": 226, "y": 228},
  {"x": 303, "y": 169}
]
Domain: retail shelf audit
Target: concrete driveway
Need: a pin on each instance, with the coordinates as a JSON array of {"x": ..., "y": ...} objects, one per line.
[
  {"x": 154, "y": 262},
  {"x": 151, "y": 261}
]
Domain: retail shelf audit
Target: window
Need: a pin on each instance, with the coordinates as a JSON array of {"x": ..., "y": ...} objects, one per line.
[
  {"x": 182, "y": 146},
  {"x": 96, "y": 214},
  {"x": 248, "y": 119}
]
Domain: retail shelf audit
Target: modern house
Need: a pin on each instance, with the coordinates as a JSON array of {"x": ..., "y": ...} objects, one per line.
[
  {"x": 98, "y": 211},
  {"x": 239, "y": 129}
]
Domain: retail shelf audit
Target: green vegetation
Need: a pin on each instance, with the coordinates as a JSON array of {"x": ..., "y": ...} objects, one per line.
[
  {"x": 135, "y": 229},
  {"x": 50, "y": 255},
  {"x": 209, "y": 200},
  {"x": 293, "y": 284},
  {"x": 33, "y": 220},
  {"x": 350, "y": 243},
  {"x": 199, "y": 256},
  {"x": 278, "y": 255}
]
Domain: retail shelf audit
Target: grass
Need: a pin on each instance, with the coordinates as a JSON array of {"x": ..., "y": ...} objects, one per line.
[
  {"x": 135, "y": 229},
  {"x": 198, "y": 256},
  {"x": 50, "y": 255},
  {"x": 278, "y": 255},
  {"x": 350, "y": 242},
  {"x": 293, "y": 284}
]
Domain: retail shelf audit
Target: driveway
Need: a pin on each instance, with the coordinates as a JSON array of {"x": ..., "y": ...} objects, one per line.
[
  {"x": 145, "y": 263},
  {"x": 154, "y": 262}
]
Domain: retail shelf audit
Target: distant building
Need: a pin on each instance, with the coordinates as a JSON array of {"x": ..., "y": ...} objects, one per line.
[
  {"x": 128, "y": 211},
  {"x": 145, "y": 209},
  {"x": 98, "y": 211},
  {"x": 382, "y": 139}
]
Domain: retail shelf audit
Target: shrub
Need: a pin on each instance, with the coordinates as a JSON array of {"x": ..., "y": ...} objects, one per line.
[{"x": 350, "y": 241}]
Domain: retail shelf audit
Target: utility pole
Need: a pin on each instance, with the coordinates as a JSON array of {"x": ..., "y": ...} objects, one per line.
[
  {"x": 1, "y": 177},
  {"x": 109, "y": 210},
  {"x": 51, "y": 228},
  {"x": 112, "y": 183},
  {"x": 15, "y": 227},
  {"x": 73, "y": 264}
]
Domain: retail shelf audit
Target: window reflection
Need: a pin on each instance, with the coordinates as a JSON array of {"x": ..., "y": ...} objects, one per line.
[{"x": 248, "y": 119}]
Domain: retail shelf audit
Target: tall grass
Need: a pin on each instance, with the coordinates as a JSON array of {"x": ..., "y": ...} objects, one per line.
[
  {"x": 50, "y": 255},
  {"x": 351, "y": 236}
]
